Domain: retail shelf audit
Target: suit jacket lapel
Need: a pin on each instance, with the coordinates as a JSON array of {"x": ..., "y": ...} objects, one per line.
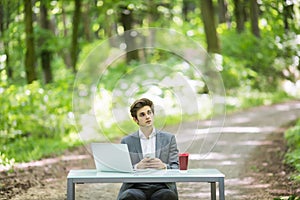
[
  {"x": 158, "y": 144},
  {"x": 137, "y": 145}
]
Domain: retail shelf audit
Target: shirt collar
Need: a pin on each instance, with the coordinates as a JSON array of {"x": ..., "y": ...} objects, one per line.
[{"x": 142, "y": 136}]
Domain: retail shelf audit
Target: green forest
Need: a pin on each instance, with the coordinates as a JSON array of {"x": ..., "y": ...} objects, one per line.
[{"x": 45, "y": 43}]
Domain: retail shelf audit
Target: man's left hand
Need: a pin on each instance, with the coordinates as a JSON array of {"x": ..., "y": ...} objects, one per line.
[{"x": 156, "y": 163}]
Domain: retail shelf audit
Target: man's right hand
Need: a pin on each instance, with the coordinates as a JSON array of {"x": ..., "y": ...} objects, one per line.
[
  {"x": 144, "y": 164},
  {"x": 151, "y": 163}
]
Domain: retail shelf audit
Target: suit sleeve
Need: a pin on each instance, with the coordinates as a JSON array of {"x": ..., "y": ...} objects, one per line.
[{"x": 173, "y": 154}]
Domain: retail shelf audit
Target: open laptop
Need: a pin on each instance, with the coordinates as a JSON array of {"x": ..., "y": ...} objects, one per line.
[{"x": 111, "y": 157}]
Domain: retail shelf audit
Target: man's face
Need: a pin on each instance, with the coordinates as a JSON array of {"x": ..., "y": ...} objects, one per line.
[{"x": 144, "y": 117}]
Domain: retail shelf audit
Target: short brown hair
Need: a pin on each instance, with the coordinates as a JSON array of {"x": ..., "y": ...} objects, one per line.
[{"x": 138, "y": 104}]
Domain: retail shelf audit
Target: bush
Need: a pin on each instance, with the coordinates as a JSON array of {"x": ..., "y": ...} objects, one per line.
[
  {"x": 292, "y": 157},
  {"x": 250, "y": 61},
  {"x": 30, "y": 116}
]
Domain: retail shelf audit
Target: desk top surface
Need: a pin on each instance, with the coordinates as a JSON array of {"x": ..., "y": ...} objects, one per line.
[{"x": 171, "y": 173}]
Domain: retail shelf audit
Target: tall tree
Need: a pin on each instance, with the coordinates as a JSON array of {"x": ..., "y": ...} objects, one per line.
[
  {"x": 86, "y": 15},
  {"x": 74, "y": 44},
  {"x": 254, "y": 16},
  {"x": 288, "y": 12},
  {"x": 45, "y": 53},
  {"x": 223, "y": 11},
  {"x": 127, "y": 22},
  {"x": 187, "y": 7},
  {"x": 239, "y": 15},
  {"x": 5, "y": 12},
  {"x": 30, "y": 50},
  {"x": 153, "y": 14},
  {"x": 212, "y": 40},
  {"x": 65, "y": 53}
]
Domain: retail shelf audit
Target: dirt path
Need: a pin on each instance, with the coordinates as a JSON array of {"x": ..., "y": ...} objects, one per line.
[{"x": 249, "y": 152}]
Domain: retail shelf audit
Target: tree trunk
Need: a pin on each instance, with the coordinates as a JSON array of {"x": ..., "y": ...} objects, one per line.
[
  {"x": 254, "y": 16},
  {"x": 87, "y": 22},
  {"x": 126, "y": 20},
  {"x": 187, "y": 7},
  {"x": 45, "y": 54},
  {"x": 153, "y": 15},
  {"x": 65, "y": 53},
  {"x": 223, "y": 12},
  {"x": 4, "y": 24},
  {"x": 74, "y": 46},
  {"x": 152, "y": 12},
  {"x": 8, "y": 68},
  {"x": 1, "y": 18},
  {"x": 288, "y": 11},
  {"x": 30, "y": 50},
  {"x": 209, "y": 26},
  {"x": 239, "y": 15}
]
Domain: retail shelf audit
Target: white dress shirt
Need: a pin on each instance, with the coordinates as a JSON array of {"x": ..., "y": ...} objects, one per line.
[{"x": 148, "y": 144}]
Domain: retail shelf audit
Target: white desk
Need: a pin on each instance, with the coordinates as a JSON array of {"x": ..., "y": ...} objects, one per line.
[{"x": 211, "y": 176}]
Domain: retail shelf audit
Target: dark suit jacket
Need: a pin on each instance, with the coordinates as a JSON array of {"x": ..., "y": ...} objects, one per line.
[{"x": 166, "y": 151}]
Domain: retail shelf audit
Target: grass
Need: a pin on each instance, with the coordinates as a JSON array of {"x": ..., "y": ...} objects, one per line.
[
  {"x": 245, "y": 99},
  {"x": 293, "y": 197},
  {"x": 25, "y": 149},
  {"x": 292, "y": 157}
]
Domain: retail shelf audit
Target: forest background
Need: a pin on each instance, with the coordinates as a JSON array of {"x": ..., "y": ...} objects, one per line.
[{"x": 44, "y": 43}]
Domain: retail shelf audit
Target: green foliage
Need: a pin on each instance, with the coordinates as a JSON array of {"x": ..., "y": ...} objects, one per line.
[
  {"x": 292, "y": 157},
  {"x": 249, "y": 61},
  {"x": 293, "y": 197},
  {"x": 292, "y": 136},
  {"x": 33, "y": 117},
  {"x": 246, "y": 98},
  {"x": 26, "y": 149}
]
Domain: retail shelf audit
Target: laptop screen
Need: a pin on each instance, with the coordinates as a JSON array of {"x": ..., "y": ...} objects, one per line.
[{"x": 111, "y": 157}]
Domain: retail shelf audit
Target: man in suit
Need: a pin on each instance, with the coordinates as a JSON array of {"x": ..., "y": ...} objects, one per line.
[{"x": 149, "y": 149}]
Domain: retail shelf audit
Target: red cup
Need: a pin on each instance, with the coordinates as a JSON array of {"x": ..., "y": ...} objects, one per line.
[{"x": 183, "y": 161}]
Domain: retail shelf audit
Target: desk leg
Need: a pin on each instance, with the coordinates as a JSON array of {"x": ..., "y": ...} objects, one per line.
[
  {"x": 213, "y": 190},
  {"x": 70, "y": 189},
  {"x": 221, "y": 189}
]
